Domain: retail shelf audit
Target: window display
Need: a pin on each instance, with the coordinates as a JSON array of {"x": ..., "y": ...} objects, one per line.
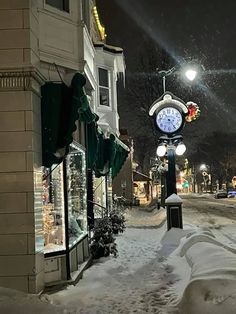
[
  {"x": 99, "y": 197},
  {"x": 77, "y": 196},
  {"x": 53, "y": 209},
  {"x": 109, "y": 191},
  {"x": 53, "y": 201}
]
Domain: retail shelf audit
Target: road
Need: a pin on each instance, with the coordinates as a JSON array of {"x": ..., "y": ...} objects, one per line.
[{"x": 217, "y": 214}]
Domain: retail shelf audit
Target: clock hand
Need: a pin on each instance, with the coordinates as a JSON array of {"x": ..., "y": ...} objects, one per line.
[{"x": 171, "y": 122}]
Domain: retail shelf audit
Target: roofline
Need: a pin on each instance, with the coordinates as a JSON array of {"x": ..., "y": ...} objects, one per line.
[{"x": 108, "y": 48}]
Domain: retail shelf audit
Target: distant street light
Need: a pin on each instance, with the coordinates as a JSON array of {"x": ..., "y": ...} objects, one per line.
[{"x": 203, "y": 167}]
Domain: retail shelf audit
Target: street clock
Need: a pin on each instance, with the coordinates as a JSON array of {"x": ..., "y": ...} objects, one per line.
[
  {"x": 169, "y": 120},
  {"x": 170, "y": 113}
]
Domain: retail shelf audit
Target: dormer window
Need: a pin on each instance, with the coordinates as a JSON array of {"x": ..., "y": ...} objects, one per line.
[
  {"x": 62, "y": 5},
  {"x": 104, "y": 87}
]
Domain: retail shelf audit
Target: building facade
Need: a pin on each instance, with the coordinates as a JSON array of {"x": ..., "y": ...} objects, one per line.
[{"x": 58, "y": 113}]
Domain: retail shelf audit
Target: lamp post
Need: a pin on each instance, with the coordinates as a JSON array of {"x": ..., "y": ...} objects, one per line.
[
  {"x": 172, "y": 146},
  {"x": 170, "y": 114},
  {"x": 207, "y": 176},
  {"x": 190, "y": 71}
]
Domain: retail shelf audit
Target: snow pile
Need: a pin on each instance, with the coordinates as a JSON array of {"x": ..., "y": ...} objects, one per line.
[
  {"x": 13, "y": 301},
  {"x": 137, "y": 218},
  {"x": 208, "y": 282}
]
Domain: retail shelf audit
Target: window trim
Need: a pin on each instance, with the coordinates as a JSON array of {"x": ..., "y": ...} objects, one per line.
[{"x": 105, "y": 87}]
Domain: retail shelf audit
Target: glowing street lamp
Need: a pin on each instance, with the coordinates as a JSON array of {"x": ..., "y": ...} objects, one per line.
[
  {"x": 203, "y": 167},
  {"x": 180, "y": 149},
  {"x": 161, "y": 150},
  {"x": 191, "y": 74},
  {"x": 189, "y": 70}
]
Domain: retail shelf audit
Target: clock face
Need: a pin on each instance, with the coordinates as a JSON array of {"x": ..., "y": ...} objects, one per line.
[{"x": 169, "y": 120}]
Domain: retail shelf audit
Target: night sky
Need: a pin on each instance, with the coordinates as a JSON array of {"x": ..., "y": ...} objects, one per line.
[{"x": 181, "y": 29}]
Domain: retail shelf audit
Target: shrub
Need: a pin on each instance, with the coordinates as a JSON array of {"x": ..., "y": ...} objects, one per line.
[
  {"x": 117, "y": 222},
  {"x": 103, "y": 241}
]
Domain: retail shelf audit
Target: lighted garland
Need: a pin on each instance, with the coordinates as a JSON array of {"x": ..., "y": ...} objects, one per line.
[{"x": 193, "y": 111}]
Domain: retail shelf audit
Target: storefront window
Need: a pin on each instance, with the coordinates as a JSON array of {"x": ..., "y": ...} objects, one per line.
[
  {"x": 99, "y": 197},
  {"x": 77, "y": 196},
  {"x": 53, "y": 209},
  {"x": 109, "y": 192}
]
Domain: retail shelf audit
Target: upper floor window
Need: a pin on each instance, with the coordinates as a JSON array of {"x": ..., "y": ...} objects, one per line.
[
  {"x": 104, "y": 87},
  {"x": 62, "y": 5}
]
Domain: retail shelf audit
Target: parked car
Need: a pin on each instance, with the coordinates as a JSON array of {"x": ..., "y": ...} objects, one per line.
[
  {"x": 231, "y": 194},
  {"x": 221, "y": 194}
]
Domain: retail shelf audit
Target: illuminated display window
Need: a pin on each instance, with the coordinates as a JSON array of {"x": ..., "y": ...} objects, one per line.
[
  {"x": 99, "y": 197},
  {"x": 53, "y": 209},
  {"x": 54, "y": 201},
  {"x": 77, "y": 195}
]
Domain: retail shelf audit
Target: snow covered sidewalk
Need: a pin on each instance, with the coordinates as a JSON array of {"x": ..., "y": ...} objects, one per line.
[
  {"x": 184, "y": 272},
  {"x": 176, "y": 272},
  {"x": 137, "y": 281}
]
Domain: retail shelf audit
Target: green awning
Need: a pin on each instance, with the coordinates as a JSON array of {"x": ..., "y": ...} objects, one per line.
[
  {"x": 92, "y": 144},
  {"x": 61, "y": 106},
  {"x": 102, "y": 165},
  {"x": 56, "y": 118},
  {"x": 111, "y": 154},
  {"x": 121, "y": 154},
  {"x": 97, "y": 150},
  {"x": 79, "y": 97}
]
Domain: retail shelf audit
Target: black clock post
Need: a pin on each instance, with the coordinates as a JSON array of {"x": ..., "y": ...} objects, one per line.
[
  {"x": 171, "y": 173},
  {"x": 169, "y": 113}
]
